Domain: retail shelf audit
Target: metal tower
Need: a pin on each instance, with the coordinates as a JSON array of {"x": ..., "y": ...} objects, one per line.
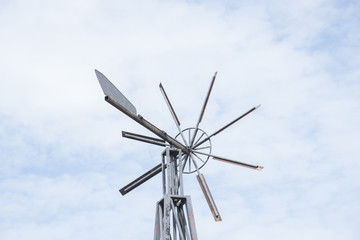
[{"x": 186, "y": 153}]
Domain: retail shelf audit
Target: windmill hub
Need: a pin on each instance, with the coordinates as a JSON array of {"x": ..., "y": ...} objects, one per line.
[{"x": 199, "y": 145}]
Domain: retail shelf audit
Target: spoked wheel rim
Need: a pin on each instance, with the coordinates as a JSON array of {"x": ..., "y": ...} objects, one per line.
[{"x": 188, "y": 159}]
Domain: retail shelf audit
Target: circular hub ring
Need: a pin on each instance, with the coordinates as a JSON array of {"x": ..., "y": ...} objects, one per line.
[{"x": 195, "y": 160}]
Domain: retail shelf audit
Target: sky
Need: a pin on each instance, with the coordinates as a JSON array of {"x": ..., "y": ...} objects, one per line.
[{"x": 62, "y": 157}]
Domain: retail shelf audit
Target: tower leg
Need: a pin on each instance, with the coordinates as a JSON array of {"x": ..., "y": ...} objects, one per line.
[
  {"x": 158, "y": 219},
  {"x": 174, "y": 213},
  {"x": 191, "y": 218}
]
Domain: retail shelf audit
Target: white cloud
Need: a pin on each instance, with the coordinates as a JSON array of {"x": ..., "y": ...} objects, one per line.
[{"x": 62, "y": 155}]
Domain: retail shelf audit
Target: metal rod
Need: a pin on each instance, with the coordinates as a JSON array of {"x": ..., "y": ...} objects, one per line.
[
  {"x": 168, "y": 171},
  {"x": 256, "y": 167},
  {"x": 163, "y": 167},
  {"x": 226, "y": 126},
  {"x": 198, "y": 158},
  {"x": 199, "y": 138},
  {"x": 172, "y": 111},
  {"x": 259, "y": 168},
  {"x": 203, "y": 109},
  {"x": 207, "y": 97},
  {"x": 191, "y": 218},
  {"x": 176, "y": 219},
  {"x": 143, "y": 138},
  {"x": 194, "y": 162},
  {"x": 180, "y": 173},
  {"x": 161, "y": 209},
  {"x": 119, "y": 101},
  {"x": 140, "y": 180},
  {"x": 208, "y": 197},
  {"x": 202, "y": 148},
  {"x": 139, "y": 119},
  {"x": 174, "y": 228},
  {"x": 182, "y": 221},
  {"x": 189, "y": 134},
  {"x": 157, "y": 223}
]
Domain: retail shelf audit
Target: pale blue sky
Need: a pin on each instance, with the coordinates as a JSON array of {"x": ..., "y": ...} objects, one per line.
[{"x": 62, "y": 157}]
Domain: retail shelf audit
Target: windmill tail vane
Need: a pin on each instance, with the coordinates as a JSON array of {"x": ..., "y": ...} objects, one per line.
[{"x": 185, "y": 153}]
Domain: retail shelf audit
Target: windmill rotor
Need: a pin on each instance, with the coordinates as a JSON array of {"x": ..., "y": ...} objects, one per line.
[{"x": 193, "y": 144}]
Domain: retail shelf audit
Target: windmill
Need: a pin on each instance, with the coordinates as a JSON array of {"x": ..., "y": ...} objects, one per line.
[{"x": 187, "y": 153}]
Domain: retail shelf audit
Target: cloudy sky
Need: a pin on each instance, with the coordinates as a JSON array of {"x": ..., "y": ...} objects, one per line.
[{"x": 62, "y": 157}]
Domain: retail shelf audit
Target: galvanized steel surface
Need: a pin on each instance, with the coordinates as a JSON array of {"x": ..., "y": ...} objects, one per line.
[
  {"x": 110, "y": 90},
  {"x": 186, "y": 157}
]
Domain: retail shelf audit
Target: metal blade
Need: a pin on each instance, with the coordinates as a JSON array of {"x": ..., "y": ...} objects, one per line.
[
  {"x": 110, "y": 90},
  {"x": 172, "y": 111},
  {"x": 209, "y": 199},
  {"x": 207, "y": 98},
  {"x": 256, "y": 167},
  {"x": 226, "y": 126},
  {"x": 140, "y": 180},
  {"x": 143, "y": 138},
  {"x": 203, "y": 108}
]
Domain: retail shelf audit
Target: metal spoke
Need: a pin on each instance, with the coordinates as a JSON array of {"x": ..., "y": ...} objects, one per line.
[
  {"x": 198, "y": 157},
  {"x": 185, "y": 161},
  {"x": 202, "y": 148},
  {"x": 194, "y": 162},
  {"x": 189, "y": 135},
  {"x": 207, "y": 148},
  {"x": 199, "y": 138}
]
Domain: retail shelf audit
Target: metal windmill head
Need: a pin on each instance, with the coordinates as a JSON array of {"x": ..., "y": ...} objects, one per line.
[{"x": 194, "y": 142}]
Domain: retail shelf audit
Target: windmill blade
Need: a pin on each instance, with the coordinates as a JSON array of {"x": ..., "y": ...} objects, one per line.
[
  {"x": 172, "y": 111},
  {"x": 207, "y": 98},
  {"x": 143, "y": 138},
  {"x": 231, "y": 123},
  {"x": 226, "y": 126},
  {"x": 256, "y": 167},
  {"x": 203, "y": 108},
  {"x": 110, "y": 90},
  {"x": 209, "y": 199},
  {"x": 140, "y": 180},
  {"x": 115, "y": 98}
]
